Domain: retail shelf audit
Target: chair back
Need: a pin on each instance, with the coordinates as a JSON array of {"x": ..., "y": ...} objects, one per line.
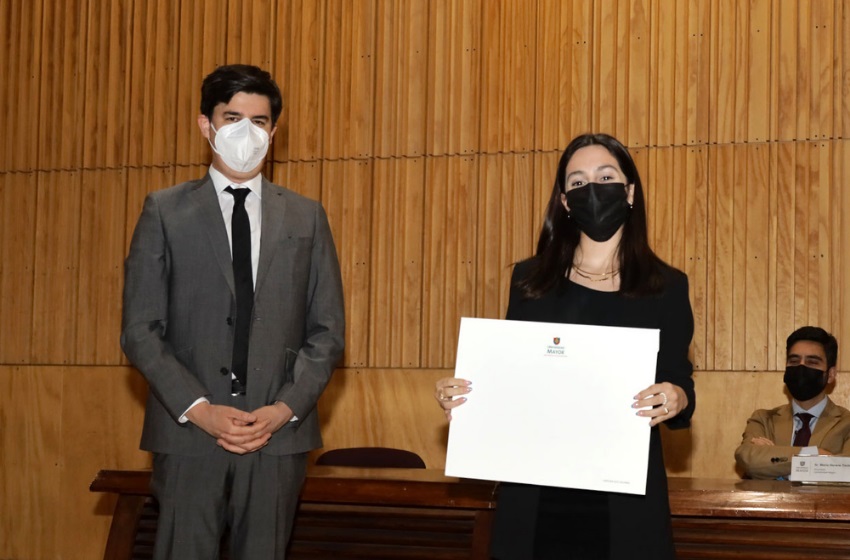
[{"x": 371, "y": 457}]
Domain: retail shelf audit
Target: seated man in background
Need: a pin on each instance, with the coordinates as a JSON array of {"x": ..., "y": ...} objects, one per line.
[{"x": 811, "y": 424}]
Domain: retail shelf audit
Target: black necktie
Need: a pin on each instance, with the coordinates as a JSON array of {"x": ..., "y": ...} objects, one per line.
[
  {"x": 243, "y": 277},
  {"x": 801, "y": 438}
]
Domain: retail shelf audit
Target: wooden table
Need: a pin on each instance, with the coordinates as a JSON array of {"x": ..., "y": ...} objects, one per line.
[
  {"x": 759, "y": 520},
  {"x": 398, "y": 514}
]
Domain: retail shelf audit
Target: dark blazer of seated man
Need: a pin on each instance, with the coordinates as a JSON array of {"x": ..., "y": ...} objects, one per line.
[{"x": 773, "y": 436}]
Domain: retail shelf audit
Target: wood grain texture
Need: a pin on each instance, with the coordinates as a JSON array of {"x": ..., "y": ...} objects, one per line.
[{"x": 430, "y": 130}]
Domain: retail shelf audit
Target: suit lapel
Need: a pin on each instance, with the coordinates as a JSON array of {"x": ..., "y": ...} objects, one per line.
[
  {"x": 784, "y": 426},
  {"x": 826, "y": 422},
  {"x": 273, "y": 209},
  {"x": 203, "y": 195}
]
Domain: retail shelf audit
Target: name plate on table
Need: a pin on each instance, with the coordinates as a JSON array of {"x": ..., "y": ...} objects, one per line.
[
  {"x": 551, "y": 404},
  {"x": 820, "y": 469}
]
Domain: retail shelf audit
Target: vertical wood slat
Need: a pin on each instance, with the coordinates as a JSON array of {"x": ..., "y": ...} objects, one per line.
[
  {"x": 822, "y": 74},
  {"x": 757, "y": 219},
  {"x": 401, "y": 62},
  {"x": 696, "y": 246},
  {"x": 57, "y": 257},
  {"x": 20, "y": 82},
  {"x": 62, "y": 85},
  {"x": 18, "y": 200},
  {"x": 454, "y": 84},
  {"x": 101, "y": 274},
  {"x": 107, "y": 86},
  {"x": 249, "y": 30},
  {"x": 201, "y": 48},
  {"x": 507, "y": 99},
  {"x": 452, "y": 196},
  {"x": 298, "y": 68},
  {"x": 396, "y": 267},
  {"x": 349, "y": 95},
  {"x": 578, "y": 25},
  {"x": 639, "y": 64},
  {"x": 550, "y": 52},
  {"x": 347, "y": 199},
  {"x": 504, "y": 226}
]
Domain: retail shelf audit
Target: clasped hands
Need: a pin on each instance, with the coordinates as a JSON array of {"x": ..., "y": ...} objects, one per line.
[
  {"x": 659, "y": 401},
  {"x": 239, "y": 431}
]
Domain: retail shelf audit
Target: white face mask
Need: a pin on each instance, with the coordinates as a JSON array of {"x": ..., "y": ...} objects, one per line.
[{"x": 242, "y": 145}]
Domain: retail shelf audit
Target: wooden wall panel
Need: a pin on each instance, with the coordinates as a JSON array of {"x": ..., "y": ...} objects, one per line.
[
  {"x": 449, "y": 275},
  {"x": 298, "y": 69},
  {"x": 639, "y": 65},
  {"x": 454, "y": 76},
  {"x": 347, "y": 197},
  {"x": 395, "y": 327},
  {"x": 349, "y": 79},
  {"x": 153, "y": 84},
  {"x": 248, "y": 30},
  {"x": 694, "y": 183},
  {"x": 106, "y": 90},
  {"x": 100, "y": 429},
  {"x": 758, "y": 67},
  {"x": 57, "y": 259},
  {"x": 782, "y": 247},
  {"x": 62, "y": 85},
  {"x": 302, "y": 177},
  {"x": 822, "y": 74},
  {"x": 201, "y": 42},
  {"x": 505, "y": 229},
  {"x": 30, "y": 444},
  {"x": 101, "y": 272},
  {"x": 551, "y": 58},
  {"x": 18, "y": 196},
  {"x": 20, "y": 82},
  {"x": 402, "y": 69},
  {"x": 507, "y": 76}
]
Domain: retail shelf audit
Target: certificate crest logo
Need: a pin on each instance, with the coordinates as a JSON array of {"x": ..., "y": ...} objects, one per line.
[
  {"x": 557, "y": 349},
  {"x": 802, "y": 463}
]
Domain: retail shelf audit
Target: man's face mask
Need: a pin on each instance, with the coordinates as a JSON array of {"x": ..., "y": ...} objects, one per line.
[
  {"x": 599, "y": 209},
  {"x": 803, "y": 382},
  {"x": 242, "y": 145}
]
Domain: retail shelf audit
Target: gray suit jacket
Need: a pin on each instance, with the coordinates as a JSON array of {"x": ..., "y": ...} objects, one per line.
[
  {"x": 179, "y": 301},
  {"x": 832, "y": 433}
]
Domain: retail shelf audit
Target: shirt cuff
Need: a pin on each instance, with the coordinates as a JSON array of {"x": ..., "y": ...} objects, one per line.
[{"x": 183, "y": 418}]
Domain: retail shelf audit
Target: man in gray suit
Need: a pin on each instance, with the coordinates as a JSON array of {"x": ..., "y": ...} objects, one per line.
[{"x": 233, "y": 312}]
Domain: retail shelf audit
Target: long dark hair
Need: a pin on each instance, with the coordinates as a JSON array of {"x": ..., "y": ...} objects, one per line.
[{"x": 640, "y": 268}]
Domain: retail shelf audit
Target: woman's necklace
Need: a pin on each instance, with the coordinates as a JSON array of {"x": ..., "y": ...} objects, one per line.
[{"x": 595, "y": 276}]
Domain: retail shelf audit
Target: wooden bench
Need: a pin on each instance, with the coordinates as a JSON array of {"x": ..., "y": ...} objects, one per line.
[
  {"x": 398, "y": 514},
  {"x": 344, "y": 512}
]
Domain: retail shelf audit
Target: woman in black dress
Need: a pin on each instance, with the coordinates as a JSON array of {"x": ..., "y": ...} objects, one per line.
[{"x": 594, "y": 266}]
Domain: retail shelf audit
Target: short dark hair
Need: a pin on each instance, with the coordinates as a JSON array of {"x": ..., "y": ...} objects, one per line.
[
  {"x": 226, "y": 81},
  {"x": 641, "y": 269},
  {"x": 815, "y": 334}
]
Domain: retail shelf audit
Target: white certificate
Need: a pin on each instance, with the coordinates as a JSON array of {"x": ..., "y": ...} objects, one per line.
[{"x": 551, "y": 404}]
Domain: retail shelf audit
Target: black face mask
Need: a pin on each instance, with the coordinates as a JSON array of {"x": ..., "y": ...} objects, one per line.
[
  {"x": 803, "y": 382},
  {"x": 599, "y": 209}
]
